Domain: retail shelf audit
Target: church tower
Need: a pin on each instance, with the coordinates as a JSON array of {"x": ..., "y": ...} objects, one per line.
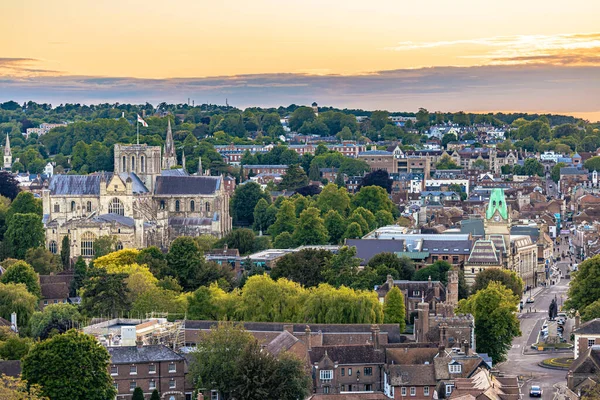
[
  {"x": 497, "y": 220},
  {"x": 7, "y": 154},
  {"x": 169, "y": 156}
]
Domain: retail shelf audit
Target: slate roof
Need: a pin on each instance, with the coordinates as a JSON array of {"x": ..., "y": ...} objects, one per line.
[
  {"x": 532, "y": 231},
  {"x": 58, "y": 290},
  {"x": 120, "y": 219},
  {"x": 134, "y": 355},
  {"x": 473, "y": 226},
  {"x": 174, "y": 185},
  {"x": 284, "y": 341},
  {"x": 369, "y": 248},
  {"x": 174, "y": 172},
  {"x": 573, "y": 171},
  {"x": 484, "y": 252},
  {"x": 590, "y": 327},
  {"x": 441, "y": 246},
  {"x": 137, "y": 184},
  {"x": 192, "y": 221},
  {"x": 356, "y": 354},
  {"x": 10, "y": 368},
  {"x": 82, "y": 185}
]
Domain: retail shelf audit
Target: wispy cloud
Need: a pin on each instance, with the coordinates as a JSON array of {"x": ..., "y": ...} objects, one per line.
[
  {"x": 24, "y": 68},
  {"x": 561, "y": 49}
]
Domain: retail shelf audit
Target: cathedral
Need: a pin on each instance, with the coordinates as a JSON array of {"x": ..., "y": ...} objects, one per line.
[{"x": 145, "y": 202}]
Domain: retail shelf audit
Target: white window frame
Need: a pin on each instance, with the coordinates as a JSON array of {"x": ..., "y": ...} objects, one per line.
[
  {"x": 591, "y": 342},
  {"x": 172, "y": 383},
  {"x": 326, "y": 374},
  {"x": 413, "y": 391},
  {"x": 449, "y": 389},
  {"x": 152, "y": 369},
  {"x": 134, "y": 384},
  {"x": 455, "y": 368},
  {"x": 174, "y": 369},
  {"x": 152, "y": 384},
  {"x": 133, "y": 370},
  {"x": 214, "y": 395},
  {"x": 426, "y": 391},
  {"x": 403, "y": 391},
  {"x": 116, "y": 370}
]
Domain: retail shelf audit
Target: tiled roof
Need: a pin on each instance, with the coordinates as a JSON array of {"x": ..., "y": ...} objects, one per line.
[
  {"x": 369, "y": 248},
  {"x": 590, "y": 327},
  {"x": 133, "y": 354},
  {"x": 447, "y": 246},
  {"x": 357, "y": 354},
  {"x": 414, "y": 375},
  {"x": 484, "y": 252},
  {"x": 58, "y": 290},
  {"x": 173, "y": 185},
  {"x": 192, "y": 221},
  {"x": 284, "y": 341},
  {"x": 10, "y": 368},
  {"x": 82, "y": 185}
]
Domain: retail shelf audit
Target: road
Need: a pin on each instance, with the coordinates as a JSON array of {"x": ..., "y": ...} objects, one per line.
[{"x": 522, "y": 360}]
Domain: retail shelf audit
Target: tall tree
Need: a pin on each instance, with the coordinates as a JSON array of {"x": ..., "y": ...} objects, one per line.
[
  {"x": 335, "y": 225},
  {"x": 105, "y": 295},
  {"x": 510, "y": 279},
  {"x": 25, "y": 203},
  {"x": 16, "y": 298},
  {"x": 155, "y": 395},
  {"x": 584, "y": 288},
  {"x": 21, "y": 272},
  {"x": 373, "y": 198},
  {"x": 310, "y": 228},
  {"x": 54, "y": 319},
  {"x": 261, "y": 216},
  {"x": 334, "y": 198},
  {"x": 70, "y": 366},
  {"x": 243, "y": 202},
  {"x": 138, "y": 394},
  {"x": 377, "y": 178},
  {"x": 285, "y": 220},
  {"x": 496, "y": 323},
  {"x": 24, "y": 232},
  {"x": 304, "y": 266},
  {"x": 43, "y": 261},
  {"x": 394, "y": 311},
  {"x": 9, "y": 187},
  {"x": 294, "y": 178},
  {"x": 65, "y": 252},
  {"x": 184, "y": 261}
]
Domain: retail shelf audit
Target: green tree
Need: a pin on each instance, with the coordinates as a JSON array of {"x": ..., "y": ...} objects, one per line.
[
  {"x": 284, "y": 241},
  {"x": 313, "y": 173},
  {"x": 509, "y": 279},
  {"x": 394, "y": 311},
  {"x": 379, "y": 119},
  {"x": 334, "y": 198},
  {"x": 65, "y": 252},
  {"x": 104, "y": 245},
  {"x": 285, "y": 220},
  {"x": 244, "y": 200},
  {"x": 294, "y": 178},
  {"x": 80, "y": 274},
  {"x": 335, "y": 225},
  {"x": 533, "y": 167},
  {"x": 304, "y": 266},
  {"x": 216, "y": 358},
  {"x": 14, "y": 347},
  {"x": 138, "y": 394},
  {"x": 54, "y": 319},
  {"x": 155, "y": 395},
  {"x": 43, "y": 261},
  {"x": 496, "y": 323},
  {"x": 242, "y": 239},
  {"x": 342, "y": 267},
  {"x": 105, "y": 295},
  {"x": 448, "y": 138},
  {"x": 16, "y": 298},
  {"x": 584, "y": 288},
  {"x": 184, "y": 261},
  {"x": 383, "y": 218},
  {"x": 436, "y": 271},
  {"x": 353, "y": 231},
  {"x": 24, "y": 232},
  {"x": 373, "y": 198},
  {"x": 446, "y": 162},
  {"x": 25, "y": 203},
  {"x": 555, "y": 171},
  {"x": 70, "y": 366},
  {"x": 155, "y": 260},
  {"x": 311, "y": 228},
  {"x": 481, "y": 165},
  {"x": 261, "y": 216},
  {"x": 422, "y": 118},
  {"x": 592, "y": 164},
  {"x": 300, "y": 116},
  {"x": 404, "y": 266},
  {"x": 367, "y": 216},
  {"x": 21, "y": 272}
]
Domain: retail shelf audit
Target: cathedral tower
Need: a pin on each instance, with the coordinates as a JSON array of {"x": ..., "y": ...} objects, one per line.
[
  {"x": 169, "y": 156},
  {"x": 7, "y": 154}
]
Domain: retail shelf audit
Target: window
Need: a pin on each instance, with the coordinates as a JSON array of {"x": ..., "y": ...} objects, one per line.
[
  {"x": 591, "y": 342},
  {"x": 192, "y": 206},
  {"x": 172, "y": 383},
  {"x": 143, "y": 163},
  {"x": 326, "y": 389},
  {"x": 454, "y": 259},
  {"x": 87, "y": 244},
  {"x": 56, "y": 208},
  {"x": 55, "y": 301},
  {"x": 88, "y": 206},
  {"x": 349, "y": 371},
  {"x": 133, "y": 370},
  {"x": 73, "y": 206},
  {"x": 349, "y": 388},
  {"x": 132, "y": 386},
  {"x": 124, "y": 166},
  {"x": 214, "y": 395},
  {"x": 119, "y": 246},
  {"x": 133, "y": 163},
  {"x": 403, "y": 391},
  {"x": 449, "y": 389},
  {"x": 343, "y": 388},
  {"x": 426, "y": 391},
  {"x": 416, "y": 293},
  {"x": 151, "y": 369},
  {"x": 368, "y": 387},
  {"x": 343, "y": 371},
  {"x": 454, "y": 368},
  {"x": 326, "y": 374},
  {"x": 207, "y": 206},
  {"x": 172, "y": 367},
  {"x": 45, "y": 302},
  {"x": 368, "y": 371},
  {"x": 162, "y": 204},
  {"x": 116, "y": 207},
  {"x": 176, "y": 205},
  {"x": 413, "y": 391},
  {"x": 152, "y": 385},
  {"x": 114, "y": 370},
  {"x": 53, "y": 247}
]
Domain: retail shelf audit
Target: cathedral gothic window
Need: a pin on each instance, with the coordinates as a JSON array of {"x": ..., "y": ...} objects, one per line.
[
  {"x": 176, "y": 205},
  {"x": 143, "y": 163},
  {"x": 162, "y": 204},
  {"x": 207, "y": 206},
  {"x": 192, "y": 206},
  {"x": 87, "y": 244},
  {"x": 124, "y": 166},
  {"x": 119, "y": 246},
  {"x": 88, "y": 206},
  {"x": 56, "y": 208},
  {"x": 116, "y": 207},
  {"x": 132, "y": 163},
  {"x": 73, "y": 206},
  {"x": 53, "y": 247}
]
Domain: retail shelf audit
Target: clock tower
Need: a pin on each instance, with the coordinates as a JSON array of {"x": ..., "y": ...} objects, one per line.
[{"x": 497, "y": 219}]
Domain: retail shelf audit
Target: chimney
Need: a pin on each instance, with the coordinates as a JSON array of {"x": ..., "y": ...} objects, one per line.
[
  {"x": 13, "y": 322},
  {"x": 443, "y": 328},
  {"x": 465, "y": 347},
  {"x": 390, "y": 282},
  {"x": 289, "y": 328},
  {"x": 375, "y": 336},
  {"x": 139, "y": 343},
  {"x": 442, "y": 351},
  {"x": 577, "y": 319},
  {"x": 429, "y": 284},
  {"x": 422, "y": 324},
  {"x": 308, "y": 338}
]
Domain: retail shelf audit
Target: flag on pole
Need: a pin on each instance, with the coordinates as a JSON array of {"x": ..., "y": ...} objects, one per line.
[{"x": 141, "y": 121}]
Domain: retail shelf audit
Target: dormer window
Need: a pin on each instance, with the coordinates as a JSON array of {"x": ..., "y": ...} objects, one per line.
[
  {"x": 455, "y": 368},
  {"x": 326, "y": 375}
]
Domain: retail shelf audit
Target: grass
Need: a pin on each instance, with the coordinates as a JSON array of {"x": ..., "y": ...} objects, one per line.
[
  {"x": 558, "y": 362},
  {"x": 553, "y": 345}
]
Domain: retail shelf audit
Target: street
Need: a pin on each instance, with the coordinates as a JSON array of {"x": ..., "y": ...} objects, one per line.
[{"x": 522, "y": 359}]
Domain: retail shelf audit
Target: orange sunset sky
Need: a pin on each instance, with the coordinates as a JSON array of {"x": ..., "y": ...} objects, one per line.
[{"x": 59, "y": 49}]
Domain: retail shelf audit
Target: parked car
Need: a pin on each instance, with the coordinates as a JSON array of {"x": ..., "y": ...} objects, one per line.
[
  {"x": 530, "y": 300},
  {"x": 535, "y": 391}
]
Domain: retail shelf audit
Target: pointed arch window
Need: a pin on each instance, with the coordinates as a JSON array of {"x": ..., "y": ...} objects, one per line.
[
  {"x": 124, "y": 165},
  {"x": 207, "y": 206},
  {"x": 119, "y": 245},
  {"x": 176, "y": 205},
  {"x": 53, "y": 247},
  {"x": 73, "y": 206},
  {"x": 87, "y": 244},
  {"x": 116, "y": 207},
  {"x": 143, "y": 163},
  {"x": 192, "y": 206},
  {"x": 132, "y": 163},
  {"x": 88, "y": 206}
]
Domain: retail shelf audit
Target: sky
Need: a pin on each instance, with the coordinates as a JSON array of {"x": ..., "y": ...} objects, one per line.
[{"x": 471, "y": 55}]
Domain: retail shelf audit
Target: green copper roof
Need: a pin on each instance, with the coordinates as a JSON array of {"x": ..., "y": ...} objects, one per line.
[
  {"x": 497, "y": 202},
  {"x": 414, "y": 255}
]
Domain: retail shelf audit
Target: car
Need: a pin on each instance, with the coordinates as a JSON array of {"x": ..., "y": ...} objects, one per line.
[
  {"x": 535, "y": 391},
  {"x": 530, "y": 300}
]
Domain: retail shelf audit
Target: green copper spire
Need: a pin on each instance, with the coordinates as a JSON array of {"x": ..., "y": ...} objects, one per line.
[{"x": 497, "y": 202}]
